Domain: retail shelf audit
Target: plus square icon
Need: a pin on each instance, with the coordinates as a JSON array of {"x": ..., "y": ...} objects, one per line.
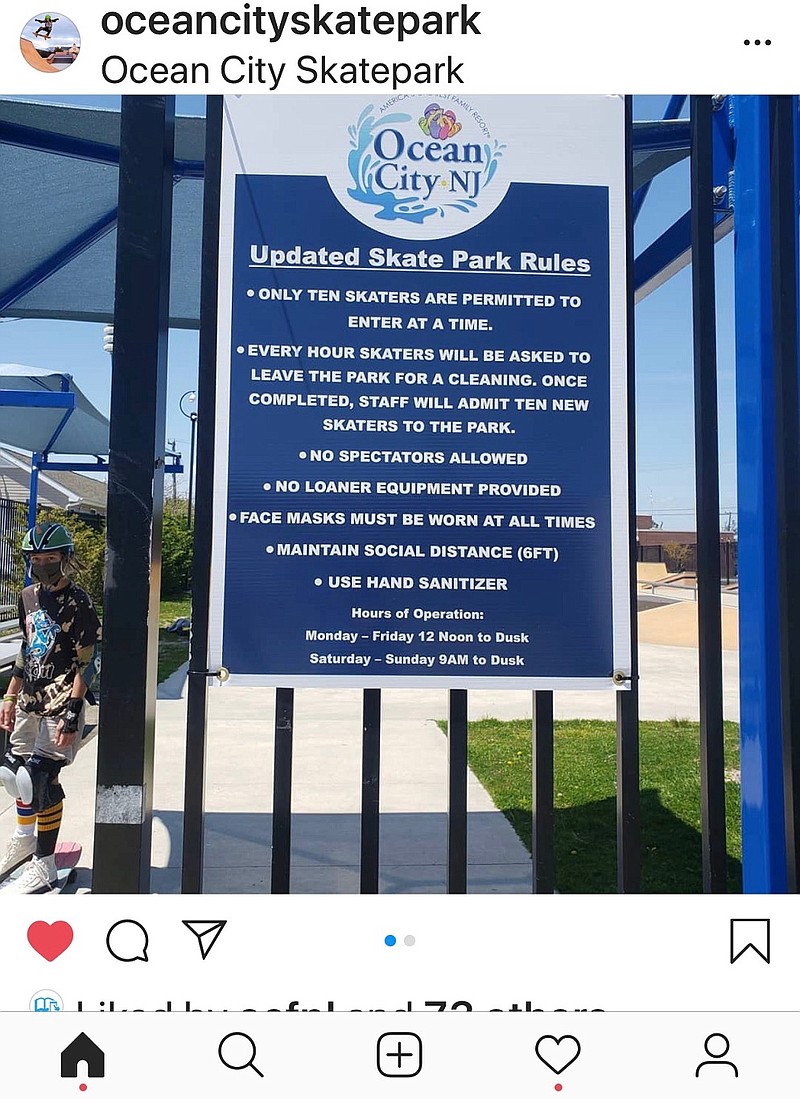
[{"x": 399, "y": 1054}]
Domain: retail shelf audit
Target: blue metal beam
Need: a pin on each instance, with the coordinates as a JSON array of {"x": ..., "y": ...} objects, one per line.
[
  {"x": 763, "y": 826},
  {"x": 33, "y": 489},
  {"x": 661, "y": 137},
  {"x": 672, "y": 110},
  {"x": 671, "y": 252},
  {"x": 98, "y": 467},
  {"x": 59, "y": 259},
  {"x": 80, "y": 148},
  {"x": 40, "y": 398},
  {"x": 66, "y": 379}
]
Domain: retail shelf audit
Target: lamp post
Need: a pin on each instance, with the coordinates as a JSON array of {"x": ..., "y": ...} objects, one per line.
[{"x": 190, "y": 395}]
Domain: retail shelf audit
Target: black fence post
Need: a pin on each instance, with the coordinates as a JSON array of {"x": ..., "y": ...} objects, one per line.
[
  {"x": 370, "y": 791},
  {"x": 135, "y": 497},
  {"x": 282, "y": 791},
  {"x": 783, "y": 239},
  {"x": 543, "y": 775},
  {"x": 629, "y": 844},
  {"x": 457, "y": 793},
  {"x": 709, "y": 581},
  {"x": 196, "y": 705}
]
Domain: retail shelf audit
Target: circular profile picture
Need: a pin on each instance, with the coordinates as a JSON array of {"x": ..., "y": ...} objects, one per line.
[{"x": 50, "y": 42}]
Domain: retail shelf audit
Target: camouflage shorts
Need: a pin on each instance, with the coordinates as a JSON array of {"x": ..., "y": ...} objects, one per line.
[{"x": 36, "y": 733}]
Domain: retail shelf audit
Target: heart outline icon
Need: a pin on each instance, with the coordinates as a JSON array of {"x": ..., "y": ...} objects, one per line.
[
  {"x": 558, "y": 1041},
  {"x": 50, "y": 940}
]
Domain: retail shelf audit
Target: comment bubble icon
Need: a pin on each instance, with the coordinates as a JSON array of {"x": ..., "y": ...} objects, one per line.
[{"x": 127, "y": 941}]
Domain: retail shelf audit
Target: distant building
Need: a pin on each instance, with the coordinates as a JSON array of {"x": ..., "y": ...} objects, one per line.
[
  {"x": 86, "y": 496},
  {"x": 677, "y": 549}
]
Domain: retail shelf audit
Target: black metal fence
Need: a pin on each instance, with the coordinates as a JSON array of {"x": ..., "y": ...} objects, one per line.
[
  {"x": 13, "y": 524},
  {"x": 124, "y": 828}
]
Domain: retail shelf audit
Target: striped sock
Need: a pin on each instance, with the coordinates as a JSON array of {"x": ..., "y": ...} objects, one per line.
[
  {"x": 47, "y": 830},
  {"x": 26, "y": 820}
]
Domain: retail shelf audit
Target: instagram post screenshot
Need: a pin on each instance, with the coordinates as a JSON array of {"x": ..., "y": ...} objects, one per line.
[{"x": 399, "y": 527}]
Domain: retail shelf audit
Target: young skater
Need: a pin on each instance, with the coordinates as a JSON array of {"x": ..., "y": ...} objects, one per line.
[{"x": 43, "y": 708}]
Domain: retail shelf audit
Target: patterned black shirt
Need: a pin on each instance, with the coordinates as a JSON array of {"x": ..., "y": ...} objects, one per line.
[{"x": 60, "y": 631}]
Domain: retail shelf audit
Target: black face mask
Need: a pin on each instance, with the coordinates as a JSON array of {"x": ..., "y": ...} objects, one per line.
[{"x": 48, "y": 575}]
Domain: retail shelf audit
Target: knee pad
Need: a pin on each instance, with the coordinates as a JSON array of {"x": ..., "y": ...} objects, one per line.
[
  {"x": 46, "y": 789},
  {"x": 10, "y": 766}
]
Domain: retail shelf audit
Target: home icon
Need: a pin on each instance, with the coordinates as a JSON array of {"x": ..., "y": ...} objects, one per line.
[{"x": 80, "y": 1049}]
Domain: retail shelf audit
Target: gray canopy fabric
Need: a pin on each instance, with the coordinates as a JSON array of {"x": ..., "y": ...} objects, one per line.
[
  {"x": 33, "y": 428},
  {"x": 58, "y": 178}
]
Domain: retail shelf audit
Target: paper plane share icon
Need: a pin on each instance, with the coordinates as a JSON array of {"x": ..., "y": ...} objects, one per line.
[{"x": 206, "y": 932}]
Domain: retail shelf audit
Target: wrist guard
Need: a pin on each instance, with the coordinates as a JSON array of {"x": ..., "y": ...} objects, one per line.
[{"x": 72, "y": 716}]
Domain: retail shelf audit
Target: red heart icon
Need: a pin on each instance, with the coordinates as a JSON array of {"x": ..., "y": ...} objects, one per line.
[{"x": 50, "y": 939}]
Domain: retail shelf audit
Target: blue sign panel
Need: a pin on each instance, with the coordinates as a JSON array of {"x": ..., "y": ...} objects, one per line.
[{"x": 416, "y": 433}]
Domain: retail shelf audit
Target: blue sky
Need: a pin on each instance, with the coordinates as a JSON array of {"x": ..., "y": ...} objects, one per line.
[
  {"x": 664, "y": 397},
  {"x": 63, "y": 32}
]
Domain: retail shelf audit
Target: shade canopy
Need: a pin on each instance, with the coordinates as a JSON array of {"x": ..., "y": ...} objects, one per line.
[
  {"x": 59, "y": 173},
  {"x": 45, "y": 412},
  {"x": 58, "y": 177}
]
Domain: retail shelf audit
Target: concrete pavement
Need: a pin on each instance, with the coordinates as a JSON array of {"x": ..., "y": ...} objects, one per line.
[{"x": 326, "y": 783}]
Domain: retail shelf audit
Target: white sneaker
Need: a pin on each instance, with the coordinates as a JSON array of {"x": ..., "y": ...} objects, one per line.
[
  {"x": 38, "y": 877},
  {"x": 19, "y": 850}
]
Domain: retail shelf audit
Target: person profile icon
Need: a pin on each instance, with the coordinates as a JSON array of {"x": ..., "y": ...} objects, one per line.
[{"x": 722, "y": 1045}]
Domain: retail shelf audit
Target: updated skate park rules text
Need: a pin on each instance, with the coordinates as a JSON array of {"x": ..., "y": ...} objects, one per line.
[{"x": 419, "y": 454}]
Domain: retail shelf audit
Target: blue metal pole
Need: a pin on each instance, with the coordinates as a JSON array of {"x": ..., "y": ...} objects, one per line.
[
  {"x": 763, "y": 827},
  {"x": 34, "y": 489}
]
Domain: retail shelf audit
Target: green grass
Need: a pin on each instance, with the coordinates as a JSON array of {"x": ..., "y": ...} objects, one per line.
[
  {"x": 173, "y": 649},
  {"x": 174, "y": 608},
  {"x": 585, "y": 785}
]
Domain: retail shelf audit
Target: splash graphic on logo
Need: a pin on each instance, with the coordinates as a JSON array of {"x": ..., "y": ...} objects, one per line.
[
  {"x": 439, "y": 123},
  {"x": 412, "y": 178}
]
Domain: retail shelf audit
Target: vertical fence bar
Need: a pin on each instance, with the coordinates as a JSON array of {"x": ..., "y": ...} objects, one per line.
[
  {"x": 126, "y": 742},
  {"x": 704, "y": 325},
  {"x": 196, "y": 705},
  {"x": 763, "y": 825},
  {"x": 629, "y": 844},
  {"x": 370, "y": 791},
  {"x": 282, "y": 790},
  {"x": 783, "y": 226},
  {"x": 542, "y": 820},
  {"x": 457, "y": 793}
]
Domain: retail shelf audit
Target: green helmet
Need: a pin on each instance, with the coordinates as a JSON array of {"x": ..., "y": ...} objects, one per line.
[{"x": 46, "y": 538}]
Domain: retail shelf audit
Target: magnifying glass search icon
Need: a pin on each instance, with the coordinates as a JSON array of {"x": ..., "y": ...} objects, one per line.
[{"x": 238, "y": 1051}]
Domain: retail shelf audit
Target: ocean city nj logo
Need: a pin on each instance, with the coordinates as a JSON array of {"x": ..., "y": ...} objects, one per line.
[{"x": 430, "y": 170}]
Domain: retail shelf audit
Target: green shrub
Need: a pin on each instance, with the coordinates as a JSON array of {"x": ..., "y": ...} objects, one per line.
[
  {"x": 176, "y": 549},
  {"x": 90, "y": 550}
]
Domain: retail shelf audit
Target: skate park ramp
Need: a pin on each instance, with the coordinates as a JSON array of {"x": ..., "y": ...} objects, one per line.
[
  {"x": 676, "y": 624},
  {"x": 32, "y": 56}
]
